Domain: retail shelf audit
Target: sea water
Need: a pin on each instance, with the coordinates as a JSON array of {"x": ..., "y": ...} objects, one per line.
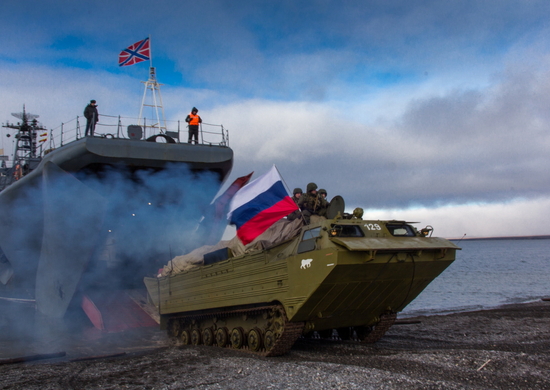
[{"x": 486, "y": 274}]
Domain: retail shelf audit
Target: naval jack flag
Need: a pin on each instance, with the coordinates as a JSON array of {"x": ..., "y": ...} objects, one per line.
[{"x": 138, "y": 52}]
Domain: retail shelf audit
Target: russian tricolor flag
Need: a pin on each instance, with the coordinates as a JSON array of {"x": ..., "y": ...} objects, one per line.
[{"x": 260, "y": 204}]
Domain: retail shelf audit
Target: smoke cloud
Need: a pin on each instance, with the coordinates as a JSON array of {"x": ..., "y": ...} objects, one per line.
[{"x": 93, "y": 234}]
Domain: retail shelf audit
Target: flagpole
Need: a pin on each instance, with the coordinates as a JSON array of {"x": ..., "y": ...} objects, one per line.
[
  {"x": 283, "y": 180},
  {"x": 150, "y": 52},
  {"x": 153, "y": 85}
]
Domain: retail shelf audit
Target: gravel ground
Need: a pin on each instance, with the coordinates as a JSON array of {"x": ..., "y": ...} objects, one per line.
[{"x": 503, "y": 348}]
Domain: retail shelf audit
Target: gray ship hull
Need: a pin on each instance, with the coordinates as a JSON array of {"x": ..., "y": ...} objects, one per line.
[{"x": 97, "y": 205}]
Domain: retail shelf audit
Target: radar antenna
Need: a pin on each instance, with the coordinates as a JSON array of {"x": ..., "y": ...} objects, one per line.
[
  {"x": 26, "y": 139},
  {"x": 24, "y": 116}
]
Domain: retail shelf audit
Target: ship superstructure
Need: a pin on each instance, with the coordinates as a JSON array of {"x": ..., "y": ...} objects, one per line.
[{"x": 29, "y": 137}]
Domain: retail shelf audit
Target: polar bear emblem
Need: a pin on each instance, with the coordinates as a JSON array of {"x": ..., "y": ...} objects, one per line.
[{"x": 306, "y": 263}]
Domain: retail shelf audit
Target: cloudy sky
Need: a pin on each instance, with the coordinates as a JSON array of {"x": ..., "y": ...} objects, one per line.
[{"x": 432, "y": 111}]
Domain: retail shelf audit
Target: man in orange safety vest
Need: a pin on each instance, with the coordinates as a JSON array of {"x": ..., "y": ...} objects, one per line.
[{"x": 193, "y": 119}]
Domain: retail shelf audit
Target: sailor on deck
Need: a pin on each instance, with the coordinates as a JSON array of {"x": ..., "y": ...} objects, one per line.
[
  {"x": 92, "y": 117},
  {"x": 193, "y": 119}
]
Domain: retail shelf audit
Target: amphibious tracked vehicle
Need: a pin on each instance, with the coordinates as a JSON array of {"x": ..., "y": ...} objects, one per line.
[{"x": 341, "y": 273}]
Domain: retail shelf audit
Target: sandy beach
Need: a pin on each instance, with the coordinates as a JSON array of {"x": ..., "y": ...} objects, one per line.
[{"x": 502, "y": 348}]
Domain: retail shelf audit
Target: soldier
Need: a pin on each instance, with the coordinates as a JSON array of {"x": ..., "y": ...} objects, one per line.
[
  {"x": 311, "y": 203},
  {"x": 296, "y": 194},
  {"x": 357, "y": 213}
]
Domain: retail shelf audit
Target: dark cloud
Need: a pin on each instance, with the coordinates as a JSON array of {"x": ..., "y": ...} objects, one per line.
[
  {"x": 486, "y": 145},
  {"x": 281, "y": 50}
]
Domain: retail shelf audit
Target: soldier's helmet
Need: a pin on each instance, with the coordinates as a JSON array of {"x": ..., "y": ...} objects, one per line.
[
  {"x": 358, "y": 213},
  {"x": 297, "y": 191},
  {"x": 322, "y": 191},
  {"x": 311, "y": 187}
]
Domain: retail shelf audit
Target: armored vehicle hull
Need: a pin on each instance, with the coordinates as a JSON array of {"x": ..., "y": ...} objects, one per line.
[{"x": 347, "y": 274}]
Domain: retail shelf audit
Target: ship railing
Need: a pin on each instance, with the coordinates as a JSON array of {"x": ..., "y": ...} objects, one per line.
[{"x": 110, "y": 126}]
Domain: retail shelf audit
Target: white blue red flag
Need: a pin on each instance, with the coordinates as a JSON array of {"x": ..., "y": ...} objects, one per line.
[
  {"x": 260, "y": 204},
  {"x": 138, "y": 52}
]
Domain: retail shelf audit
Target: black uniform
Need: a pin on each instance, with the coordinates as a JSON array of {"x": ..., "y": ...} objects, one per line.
[{"x": 92, "y": 117}]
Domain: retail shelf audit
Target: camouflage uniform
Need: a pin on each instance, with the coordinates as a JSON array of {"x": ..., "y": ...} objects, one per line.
[
  {"x": 295, "y": 214},
  {"x": 357, "y": 213},
  {"x": 311, "y": 204}
]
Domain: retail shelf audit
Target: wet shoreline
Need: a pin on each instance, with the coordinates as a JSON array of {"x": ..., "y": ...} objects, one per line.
[{"x": 505, "y": 348}]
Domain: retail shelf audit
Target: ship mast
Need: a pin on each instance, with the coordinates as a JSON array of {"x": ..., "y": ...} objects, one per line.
[
  {"x": 153, "y": 86},
  {"x": 26, "y": 145},
  {"x": 26, "y": 155}
]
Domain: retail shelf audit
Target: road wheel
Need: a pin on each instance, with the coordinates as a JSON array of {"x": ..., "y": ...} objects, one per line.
[
  {"x": 208, "y": 336},
  {"x": 237, "y": 338},
  {"x": 255, "y": 339},
  {"x": 222, "y": 337},
  {"x": 185, "y": 337},
  {"x": 195, "y": 337}
]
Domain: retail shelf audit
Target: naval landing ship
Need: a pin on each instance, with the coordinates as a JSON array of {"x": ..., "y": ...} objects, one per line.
[{"x": 72, "y": 210}]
